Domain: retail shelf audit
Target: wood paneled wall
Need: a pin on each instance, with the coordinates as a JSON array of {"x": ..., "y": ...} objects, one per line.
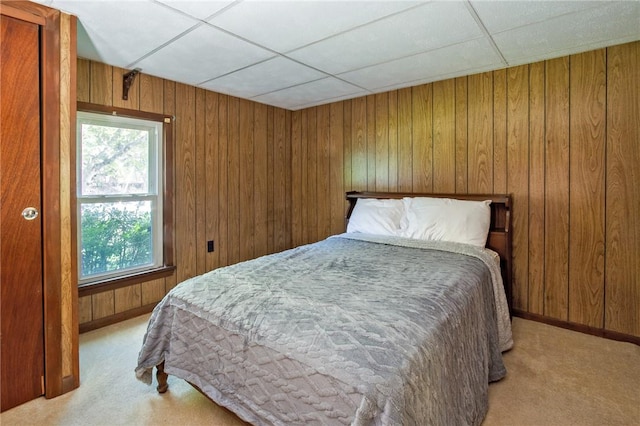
[
  {"x": 562, "y": 136},
  {"x": 232, "y": 180}
]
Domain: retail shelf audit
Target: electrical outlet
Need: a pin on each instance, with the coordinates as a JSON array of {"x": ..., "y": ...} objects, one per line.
[{"x": 210, "y": 246}]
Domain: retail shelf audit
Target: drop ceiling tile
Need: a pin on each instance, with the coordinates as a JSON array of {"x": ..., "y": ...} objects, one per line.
[
  {"x": 329, "y": 100},
  {"x": 417, "y": 30},
  {"x": 198, "y": 9},
  {"x": 286, "y": 25},
  {"x": 499, "y": 16},
  {"x": 85, "y": 47},
  {"x": 269, "y": 76},
  {"x": 315, "y": 91},
  {"x": 428, "y": 66},
  {"x": 168, "y": 38},
  {"x": 613, "y": 23},
  {"x": 201, "y": 55},
  {"x": 123, "y": 31},
  {"x": 446, "y": 76}
]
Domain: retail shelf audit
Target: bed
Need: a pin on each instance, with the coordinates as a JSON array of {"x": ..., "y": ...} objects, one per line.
[{"x": 390, "y": 323}]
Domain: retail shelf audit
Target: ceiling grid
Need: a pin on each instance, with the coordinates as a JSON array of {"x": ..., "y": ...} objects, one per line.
[{"x": 300, "y": 53}]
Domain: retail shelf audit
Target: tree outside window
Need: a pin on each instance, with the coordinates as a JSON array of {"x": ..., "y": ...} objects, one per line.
[{"x": 119, "y": 195}]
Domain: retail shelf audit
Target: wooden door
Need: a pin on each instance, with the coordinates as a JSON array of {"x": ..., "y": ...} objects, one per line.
[{"x": 21, "y": 306}]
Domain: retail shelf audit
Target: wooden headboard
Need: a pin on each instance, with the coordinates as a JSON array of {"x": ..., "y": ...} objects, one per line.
[{"x": 499, "y": 239}]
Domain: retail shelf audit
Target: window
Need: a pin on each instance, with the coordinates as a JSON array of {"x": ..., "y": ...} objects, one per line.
[{"x": 122, "y": 196}]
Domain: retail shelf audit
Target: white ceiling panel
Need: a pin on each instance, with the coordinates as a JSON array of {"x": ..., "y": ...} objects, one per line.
[
  {"x": 615, "y": 22},
  {"x": 88, "y": 49},
  {"x": 123, "y": 31},
  {"x": 329, "y": 100},
  {"x": 427, "y": 27},
  {"x": 201, "y": 9},
  {"x": 201, "y": 55},
  {"x": 430, "y": 65},
  {"x": 286, "y": 25},
  {"x": 444, "y": 76},
  {"x": 298, "y": 53},
  {"x": 498, "y": 16},
  {"x": 314, "y": 92},
  {"x": 275, "y": 74}
]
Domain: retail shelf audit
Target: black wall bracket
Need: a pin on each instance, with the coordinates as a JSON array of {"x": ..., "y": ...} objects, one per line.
[{"x": 127, "y": 81}]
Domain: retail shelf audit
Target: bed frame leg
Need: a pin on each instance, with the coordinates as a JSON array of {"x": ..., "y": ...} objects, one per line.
[{"x": 162, "y": 378}]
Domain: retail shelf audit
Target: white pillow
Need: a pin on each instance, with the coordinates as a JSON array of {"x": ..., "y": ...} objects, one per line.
[
  {"x": 445, "y": 219},
  {"x": 376, "y": 216}
]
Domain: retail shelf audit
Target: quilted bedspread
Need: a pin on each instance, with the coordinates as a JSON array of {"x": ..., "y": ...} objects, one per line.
[{"x": 354, "y": 329}]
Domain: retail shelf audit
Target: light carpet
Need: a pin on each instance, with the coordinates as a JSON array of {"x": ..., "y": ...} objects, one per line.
[{"x": 555, "y": 377}]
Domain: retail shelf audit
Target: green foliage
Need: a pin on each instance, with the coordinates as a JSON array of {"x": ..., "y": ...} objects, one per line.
[
  {"x": 114, "y": 237},
  {"x": 117, "y": 162}
]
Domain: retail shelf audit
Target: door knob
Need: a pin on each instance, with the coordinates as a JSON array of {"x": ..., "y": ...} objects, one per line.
[{"x": 30, "y": 213}]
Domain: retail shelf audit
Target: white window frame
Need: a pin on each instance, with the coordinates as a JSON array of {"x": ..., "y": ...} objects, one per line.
[{"x": 154, "y": 193}]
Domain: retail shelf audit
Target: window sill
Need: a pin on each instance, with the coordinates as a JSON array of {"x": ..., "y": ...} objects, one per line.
[{"x": 124, "y": 281}]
